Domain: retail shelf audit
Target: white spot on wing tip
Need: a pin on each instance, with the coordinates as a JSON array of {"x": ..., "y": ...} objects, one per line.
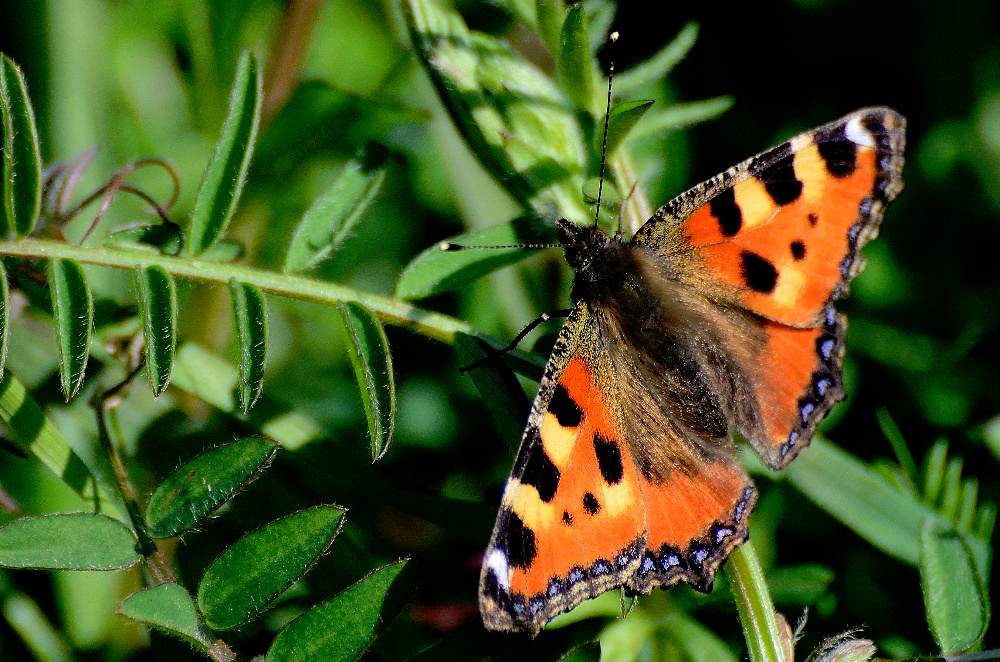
[
  {"x": 857, "y": 133},
  {"x": 496, "y": 561}
]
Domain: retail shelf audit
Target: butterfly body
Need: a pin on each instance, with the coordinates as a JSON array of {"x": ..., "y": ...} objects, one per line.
[{"x": 715, "y": 318}]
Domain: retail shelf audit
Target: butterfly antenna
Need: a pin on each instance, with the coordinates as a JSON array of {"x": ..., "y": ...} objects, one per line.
[
  {"x": 613, "y": 37},
  {"x": 448, "y": 246}
]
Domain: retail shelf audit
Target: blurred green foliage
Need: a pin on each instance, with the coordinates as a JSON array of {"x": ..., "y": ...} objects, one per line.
[{"x": 150, "y": 78}]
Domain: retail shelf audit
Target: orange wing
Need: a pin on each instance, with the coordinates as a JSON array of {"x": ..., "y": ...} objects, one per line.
[
  {"x": 778, "y": 236},
  {"x": 578, "y": 518}
]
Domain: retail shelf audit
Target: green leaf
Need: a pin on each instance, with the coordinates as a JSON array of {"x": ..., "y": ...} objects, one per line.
[
  {"x": 158, "y": 309},
  {"x": 67, "y": 541},
  {"x": 155, "y": 239},
  {"x": 250, "y": 319},
  {"x": 31, "y": 430},
  {"x": 168, "y": 607},
  {"x": 226, "y": 173},
  {"x": 575, "y": 65},
  {"x": 435, "y": 270},
  {"x": 934, "y": 468},
  {"x": 342, "y": 628},
  {"x": 623, "y": 117},
  {"x": 680, "y": 115},
  {"x": 800, "y": 585},
  {"x": 202, "y": 485},
  {"x": 4, "y": 316},
  {"x": 586, "y": 653},
  {"x": 30, "y": 622},
  {"x": 955, "y": 596},
  {"x": 698, "y": 643},
  {"x": 260, "y": 566},
  {"x": 368, "y": 349},
  {"x": 22, "y": 158},
  {"x": 73, "y": 306},
  {"x": 658, "y": 66},
  {"x": 860, "y": 497},
  {"x": 551, "y": 14},
  {"x": 328, "y": 222},
  {"x": 501, "y": 392},
  {"x": 515, "y": 120}
]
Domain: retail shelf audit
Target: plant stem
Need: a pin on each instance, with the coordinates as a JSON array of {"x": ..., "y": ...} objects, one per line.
[
  {"x": 753, "y": 602},
  {"x": 389, "y": 310}
]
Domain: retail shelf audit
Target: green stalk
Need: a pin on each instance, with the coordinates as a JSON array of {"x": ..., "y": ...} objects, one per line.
[
  {"x": 389, "y": 310},
  {"x": 753, "y": 602}
]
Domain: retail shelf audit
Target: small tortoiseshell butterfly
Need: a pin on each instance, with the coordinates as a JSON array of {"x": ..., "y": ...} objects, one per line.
[{"x": 716, "y": 317}]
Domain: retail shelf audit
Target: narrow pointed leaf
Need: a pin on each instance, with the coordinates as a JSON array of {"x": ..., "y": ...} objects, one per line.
[
  {"x": 435, "y": 271},
  {"x": 623, "y": 117},
  {"x": 550, "y": 15},
  {"x": 955, "y": 598},
  {"x": 575, "y": 62},
  {"x": 680, "y": 115},
  {"x": 4, "y": 316},
  {"x": 501, "y": 392},
  {"x": 158, "y": 308},
  {"x": 517, "y": 122},
  {"x": 262, "y": 565},
  {"x": 201, "y": 486},
  {"x": 864, "y": 500},
  {"x": 22, "y": 158},
  {"x": 250, "y": 319},
  {"x": 74, "y": 312},
  {"x": 32, "y": 431},
  {"x": 328, "y": 222},
  {"x": 168, "y": 607},
  {"x": 342, "y": 629},
  {"x": 223, "y": 181},
  {"x": 67, "y": 541},
  {"x": 368, "y": 349},
  {"x": 658, "y": 66}
]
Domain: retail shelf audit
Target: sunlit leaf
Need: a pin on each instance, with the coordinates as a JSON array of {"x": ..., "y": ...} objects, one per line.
[
  {"x": 67, "y": 541},
  {"x": 22, "y": 158},
  {"x": 73, "y": 306},
  {"x": 158, "y": 309},
  {"x": 202, "y": 485},
  {"x": 250, "y": 319},
  {"x": 226, "y": 173},
  {"x": 342, "y": 628},
  {"x": 261, "y": 565}
]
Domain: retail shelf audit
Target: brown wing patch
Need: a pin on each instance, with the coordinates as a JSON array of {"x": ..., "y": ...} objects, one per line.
[{"x": 570, "y": 527}]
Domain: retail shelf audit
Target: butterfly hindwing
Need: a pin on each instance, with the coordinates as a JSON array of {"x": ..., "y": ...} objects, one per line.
[{"x": 778, "y": 235}]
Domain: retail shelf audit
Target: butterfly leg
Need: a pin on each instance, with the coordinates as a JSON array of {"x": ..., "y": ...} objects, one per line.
[{"x": 544, "y": 317}]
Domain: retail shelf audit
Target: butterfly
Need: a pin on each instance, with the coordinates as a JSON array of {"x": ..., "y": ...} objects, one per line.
[{"x": 715, "y": 318}]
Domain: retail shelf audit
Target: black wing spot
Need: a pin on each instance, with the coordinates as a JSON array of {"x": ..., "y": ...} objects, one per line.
[
  {"x": 541, "y": 473},
  {"x": 758, "y": 273},
  {"x": 590, "y": 504},
  {"x": 780, "y": 181},
  {"x": 813, "y": 218},
  {"x": 724, "y": 208},
  {"x": 798, "y": 250},
  {"x": 609, "y": 459},
  {"x": 567, "y": 519},
  {"x": 520, "y": 543},
  {"x": 841, "y": 157},
  {"x": 567, "y": 412}
]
